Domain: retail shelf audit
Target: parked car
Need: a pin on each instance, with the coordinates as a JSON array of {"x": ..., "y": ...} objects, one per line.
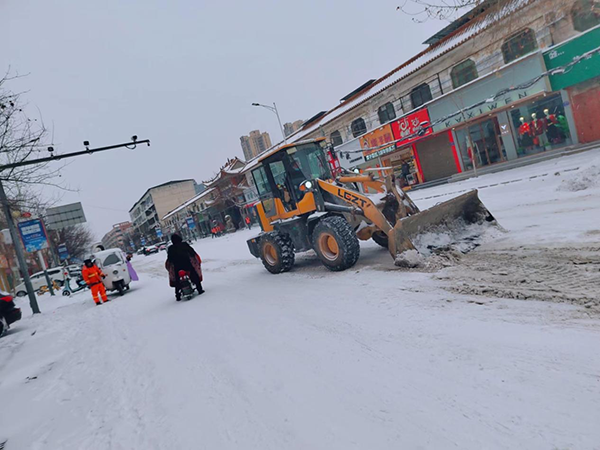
[
  {"x": 74, "y": 270},
  {"x": 162, "y": 246},
  {"x": 141, "y": 251},
  {"x": 9, "y": 313},
  {"x": 150, "y": 250},
  {"x": 39, "y": 279}
]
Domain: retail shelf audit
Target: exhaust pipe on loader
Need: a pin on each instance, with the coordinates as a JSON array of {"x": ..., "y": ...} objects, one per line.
[{"x": 451, "y": 217}]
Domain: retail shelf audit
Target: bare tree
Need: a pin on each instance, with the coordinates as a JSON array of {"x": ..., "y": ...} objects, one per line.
[
  {"x": 21, "y": 137},
  {"x": 78, "y": 239},
  {"x": 423, "y": 10}
]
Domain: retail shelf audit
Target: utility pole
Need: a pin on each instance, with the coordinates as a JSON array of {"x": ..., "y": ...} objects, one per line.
[
  {"x": 18, "y": 250},
  {"x": 6, "y": 207}
]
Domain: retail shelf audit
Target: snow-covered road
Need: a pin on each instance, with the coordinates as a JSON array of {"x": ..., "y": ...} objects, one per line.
[{"x": 371, "y": 358}]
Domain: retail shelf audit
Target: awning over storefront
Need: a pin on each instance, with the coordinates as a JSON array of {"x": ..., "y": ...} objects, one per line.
[{"x": 449, "y": 106}]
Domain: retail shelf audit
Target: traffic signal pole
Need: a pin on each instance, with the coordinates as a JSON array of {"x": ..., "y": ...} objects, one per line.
[{"x": 9, "y": 218}]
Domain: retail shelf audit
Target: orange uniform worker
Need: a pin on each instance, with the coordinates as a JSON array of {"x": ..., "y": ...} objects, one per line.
[{"x": 92, "y": 275}]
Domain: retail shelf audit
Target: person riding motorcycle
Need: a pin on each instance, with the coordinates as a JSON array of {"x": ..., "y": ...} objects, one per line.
[
  {"x": 181, "y": 256},
  {"x": 93, "y": 275}
]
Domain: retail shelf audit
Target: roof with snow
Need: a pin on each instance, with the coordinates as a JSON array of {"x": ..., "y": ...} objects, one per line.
[
  {"x": 456, "y": 37},
  {"x": 232, "y": 167}
]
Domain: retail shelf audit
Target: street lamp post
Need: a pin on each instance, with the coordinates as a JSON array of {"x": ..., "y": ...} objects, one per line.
[{"x": 273, "y": 109}]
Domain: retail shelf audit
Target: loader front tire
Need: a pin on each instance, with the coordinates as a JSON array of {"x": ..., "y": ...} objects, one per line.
[
  {"x": 336, "y": 243},
  {"x": 277, "y": 252},
  {"x": 381, "y": 238}
]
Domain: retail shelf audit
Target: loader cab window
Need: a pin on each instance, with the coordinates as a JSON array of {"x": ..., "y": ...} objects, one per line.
[
  {"x": 261, "y": 181},
  {"x": 284, "y": 184},
  {"x": 311, "y": 161}
]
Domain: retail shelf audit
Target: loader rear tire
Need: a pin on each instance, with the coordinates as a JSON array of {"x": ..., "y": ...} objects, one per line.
[
  {"x": 336, "y": 243},
  {"x": 381, "y": 238},
  {"x": 277, "y": 252}
]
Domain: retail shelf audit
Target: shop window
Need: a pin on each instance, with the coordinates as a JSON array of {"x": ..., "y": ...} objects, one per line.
[
  {"x": 386, "y": 113},
  {"x": 420, "y": 95},
  {"x": 359, "y": 127},
  {"x": 540, "y": 125},
  {"x": 463, "y": 73},
  {"x": 336, "y": 138},
  {"x": 519, "y": 45},
  {"x": 585, "y": 14}
]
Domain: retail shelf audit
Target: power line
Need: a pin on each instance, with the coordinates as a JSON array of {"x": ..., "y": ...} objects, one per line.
[{"x": 556, "y": 71}]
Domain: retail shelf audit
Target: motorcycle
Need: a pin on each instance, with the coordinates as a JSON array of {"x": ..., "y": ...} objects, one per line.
[
  {"x": 9, "y": 313},
  {"x": 185, "y": 286},
  {"x": 68, "y": 290}
]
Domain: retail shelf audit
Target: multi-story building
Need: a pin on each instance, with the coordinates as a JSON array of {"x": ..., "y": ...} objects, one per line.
[
  {"x": 478, "y": 95},
  {"x": 118, "y": 236},
  {"x": 255, "y": 144},
  {"x": 156, "y": 202},
  {"x": 289, "y": 128},
  {"x": 225, "y": 195}
]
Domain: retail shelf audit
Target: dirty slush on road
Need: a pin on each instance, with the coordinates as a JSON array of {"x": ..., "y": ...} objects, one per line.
[{"x": 561, "y": 274}]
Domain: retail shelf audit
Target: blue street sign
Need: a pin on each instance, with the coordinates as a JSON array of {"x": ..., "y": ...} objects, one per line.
[
  {"x": 33, "y": 235},
  {"x": 63, "y": 252},
  {"x": 159, "y": 233},
  {"x": 190, "y": 223}
]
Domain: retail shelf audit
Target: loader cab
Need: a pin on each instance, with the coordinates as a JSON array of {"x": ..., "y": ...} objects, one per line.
[{"x": 279, "y": 176}]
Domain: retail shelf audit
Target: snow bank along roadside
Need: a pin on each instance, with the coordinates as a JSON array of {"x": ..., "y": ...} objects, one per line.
[{"x": 551, "y": 250}]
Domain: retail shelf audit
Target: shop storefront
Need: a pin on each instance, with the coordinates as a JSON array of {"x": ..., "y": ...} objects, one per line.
[
  {"x": 581, "y": 81},
  {"x": 519, "y": 123},
  {"x": 413, "y": 153}
]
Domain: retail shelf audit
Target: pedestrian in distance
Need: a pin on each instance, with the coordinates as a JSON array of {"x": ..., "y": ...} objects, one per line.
[
  {"x": 93, "y": 275},
  {"x": 248, "y": 222},
  {"x": 182, "y": 257}
]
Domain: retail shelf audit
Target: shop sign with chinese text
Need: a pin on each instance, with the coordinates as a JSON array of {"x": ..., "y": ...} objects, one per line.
[
  {"x": 563, "y": 54},
  {"x": 408, "y": 126},
  {"x": 374, "y": 142}
]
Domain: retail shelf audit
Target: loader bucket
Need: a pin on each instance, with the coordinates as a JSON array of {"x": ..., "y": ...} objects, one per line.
[{"x": 450, "y": 218}]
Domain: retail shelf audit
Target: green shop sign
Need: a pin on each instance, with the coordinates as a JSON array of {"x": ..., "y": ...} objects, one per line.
[{"x": 564, "y": 53}]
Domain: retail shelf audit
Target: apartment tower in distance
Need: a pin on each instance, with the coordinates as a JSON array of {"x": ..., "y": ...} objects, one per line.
[
  {"x": 255, "y": 144},
  {"x": 289, "y": 128}
]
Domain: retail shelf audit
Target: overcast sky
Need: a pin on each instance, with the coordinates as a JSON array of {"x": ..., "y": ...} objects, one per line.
[{"x": 183, "y": 74}]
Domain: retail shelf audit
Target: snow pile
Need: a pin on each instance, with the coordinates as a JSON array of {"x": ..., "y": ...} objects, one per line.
[
  {"x": 582, "y": 180},
  {"x": 460, "y": 237},
  {"x": 409, "y": 259}
]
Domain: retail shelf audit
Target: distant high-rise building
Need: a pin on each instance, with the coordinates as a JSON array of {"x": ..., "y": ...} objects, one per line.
[
  {"x": 255, "y": 144},
  {"x": 289, "y": 128}
]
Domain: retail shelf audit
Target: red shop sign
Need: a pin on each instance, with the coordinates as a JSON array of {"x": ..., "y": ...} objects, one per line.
[{"x": 409, "y": 125}]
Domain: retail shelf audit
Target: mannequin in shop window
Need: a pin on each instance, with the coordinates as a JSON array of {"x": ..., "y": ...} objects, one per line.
[
  {"x": 553, "y": 132},
  {"x": 538, "y": 131},
  {"x": 525, "y": 134}
]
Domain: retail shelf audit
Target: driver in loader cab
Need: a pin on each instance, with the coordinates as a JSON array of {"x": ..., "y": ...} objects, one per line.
[
  {"x": 294, "y": 178},
  {"x": 93, "y": 275}
]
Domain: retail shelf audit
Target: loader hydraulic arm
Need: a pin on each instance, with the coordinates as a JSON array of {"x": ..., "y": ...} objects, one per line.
[{"x": 364, "y": 204}]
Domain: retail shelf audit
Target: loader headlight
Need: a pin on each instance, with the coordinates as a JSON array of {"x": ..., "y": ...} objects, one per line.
[{"x": 306, "y": 185}]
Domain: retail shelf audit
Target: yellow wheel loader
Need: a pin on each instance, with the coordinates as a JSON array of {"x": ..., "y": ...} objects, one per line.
[{"x": 303, "y": 207}]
